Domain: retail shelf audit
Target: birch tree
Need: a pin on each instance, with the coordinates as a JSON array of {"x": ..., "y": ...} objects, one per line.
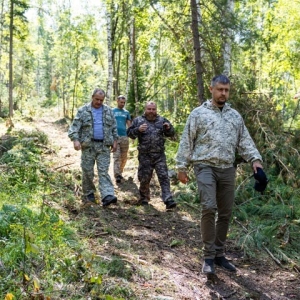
[
  {"x": 131, "y": 55},
  {"x": 197, "y": 50},
  {"x": 110, "y": 52},
  {"x": 10, "y": 84},
  {"x": 229, "y": 13}
]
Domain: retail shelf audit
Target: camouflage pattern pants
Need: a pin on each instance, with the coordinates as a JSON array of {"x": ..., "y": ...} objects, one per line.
[
  {"x": 216, "y": 188},
  {"x": 99, "y": 154},
  {"x": 120, "y": 156},
  {"x": 147, "y": 163}
]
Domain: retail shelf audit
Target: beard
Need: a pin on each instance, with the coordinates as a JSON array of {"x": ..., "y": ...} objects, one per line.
[
  {"x": 150, "y": 116},
  {"x": 220, "y": 102}
]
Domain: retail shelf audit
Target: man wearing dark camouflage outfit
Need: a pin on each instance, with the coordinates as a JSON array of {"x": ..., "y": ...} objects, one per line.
[
  {"x": 151, "y": 130},
  {"x": 212, "y": 134},
  {"x": 94, "y": 132}
]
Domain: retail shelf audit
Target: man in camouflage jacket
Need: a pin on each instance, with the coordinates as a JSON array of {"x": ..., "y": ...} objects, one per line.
[
  {"x": 212, "y": 134},
  {"x": 151, "y": 130},
  {"x": 94, "y": 132}
]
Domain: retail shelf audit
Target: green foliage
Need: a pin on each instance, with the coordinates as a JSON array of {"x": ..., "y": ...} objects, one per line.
[{"x": 38, "y": 250}]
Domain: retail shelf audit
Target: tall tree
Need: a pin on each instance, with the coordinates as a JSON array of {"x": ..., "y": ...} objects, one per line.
[
  {"x": 229, "y": 13},
  {"x": 11, "y": 34},
  {"x": 109, "y": 6},
  {"x": 197, "y": 51}
]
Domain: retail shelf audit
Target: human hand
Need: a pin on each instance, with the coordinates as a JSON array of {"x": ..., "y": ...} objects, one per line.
[
  {"x": 114, "y": 146},
  {"x": 166, "y": 125},
  {"x": 143, "y": 127},
  {"x": 182, "y": 177},
  {"x": 77, "y": 145},
  {"x": 256, "y": 164}
]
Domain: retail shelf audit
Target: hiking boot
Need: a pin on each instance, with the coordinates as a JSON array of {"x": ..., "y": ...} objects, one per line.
[
  {"x": 170, "y": 204},
  {"x": 143, "y": 202},
  {"x": 90, "y": 198},
  {"x": 208, "y": 266},
  {"x": 225, "y": 264},
  {"x": 119, "y": 179},
  {"x": 108, "y": 200}
]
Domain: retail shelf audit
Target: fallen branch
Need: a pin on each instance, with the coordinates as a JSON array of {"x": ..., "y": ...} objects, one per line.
[
  {"x": 243, "y": 182},
  {"x": 273, "y": 257},
  {"x": 239, "y": 223},
  {"x": 284, "y": 166},
  {"x": 63, "y": 166}
]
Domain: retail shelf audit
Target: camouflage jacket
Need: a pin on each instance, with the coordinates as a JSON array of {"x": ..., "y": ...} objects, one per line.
[
  {"x": 82, "y": 127},
  {"x": 153, "y": 139},
  {"x": 211, "y": 137}
]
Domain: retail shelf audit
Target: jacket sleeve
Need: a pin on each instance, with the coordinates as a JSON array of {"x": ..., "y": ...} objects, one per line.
[
  {"x": 168, "y": 132},
  {"x": 114, "y": 126},
  {"x": 133, "y": 131},
  {"x": 246, "y": 147},
  {"x": 73, "y": 132},
  {"x": 186, "y": 145}
]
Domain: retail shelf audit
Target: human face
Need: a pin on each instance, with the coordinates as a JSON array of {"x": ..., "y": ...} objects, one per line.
[
  {"x": 121, "y": 103},
  {"x": 97, "y": 100},
  {"x": 220, "y": 94},
  {"x": 150, "y": 112}
]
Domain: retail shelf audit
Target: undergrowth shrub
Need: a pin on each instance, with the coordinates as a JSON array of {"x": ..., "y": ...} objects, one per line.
[{"x": 41, "y": 256}]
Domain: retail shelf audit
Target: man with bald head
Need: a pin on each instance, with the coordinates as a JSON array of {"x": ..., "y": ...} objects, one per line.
[
  {"x": 94, "y": 132},
  {"x": 151, "y": 130}
]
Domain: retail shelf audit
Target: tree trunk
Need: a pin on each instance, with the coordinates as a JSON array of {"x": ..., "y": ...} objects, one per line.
[
  {"x": 134, "y": 73},
  {"x": 110, "y": 54},
  {"x": 130, "y": 66},
  {"x": 227, "y": 44},
  {"x": 197, "y": 51},
  {"x": 1, "y": 43},
  {"x": 10, "y": 92},
  {"x": 75, "y": 80}
]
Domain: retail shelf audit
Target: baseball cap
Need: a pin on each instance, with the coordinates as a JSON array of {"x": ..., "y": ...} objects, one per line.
[{"x": 121, "y": 97}]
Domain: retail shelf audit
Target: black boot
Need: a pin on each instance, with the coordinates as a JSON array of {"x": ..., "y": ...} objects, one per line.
[{"x": 109, "y": 199}]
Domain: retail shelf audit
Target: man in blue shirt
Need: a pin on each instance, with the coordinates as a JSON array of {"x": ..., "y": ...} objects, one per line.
[
  {"x": 120, "y": 155},
  {"x": 94, "y": 132}
]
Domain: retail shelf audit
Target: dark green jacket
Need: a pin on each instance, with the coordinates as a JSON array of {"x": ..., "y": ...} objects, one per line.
[{"x": 153, "y": 139}]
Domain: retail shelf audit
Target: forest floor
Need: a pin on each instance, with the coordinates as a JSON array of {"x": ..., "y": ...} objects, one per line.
[{"x": 162, "y": 249}]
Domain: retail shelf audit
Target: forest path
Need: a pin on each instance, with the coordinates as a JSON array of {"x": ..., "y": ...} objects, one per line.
[{"x": 161, "y": 250}]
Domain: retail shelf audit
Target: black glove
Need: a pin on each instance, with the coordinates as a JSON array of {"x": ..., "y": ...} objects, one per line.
[{"x": 261, "y": 180}]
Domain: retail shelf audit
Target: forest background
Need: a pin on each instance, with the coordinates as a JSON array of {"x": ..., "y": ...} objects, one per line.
[{"x": 54, "y": 53}]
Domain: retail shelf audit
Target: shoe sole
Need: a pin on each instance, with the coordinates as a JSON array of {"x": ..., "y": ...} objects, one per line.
[
  {"x": 110, "y": 202},
  {"x": 171, "y": 206},
  {"x": 223, "y": 268}
]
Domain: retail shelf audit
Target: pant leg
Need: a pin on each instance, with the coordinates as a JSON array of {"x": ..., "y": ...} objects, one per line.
[
  {"x": 88, "y": 157},
  {"x": 161, "y": 169},
  {"x": 207, "y": 183},
  {"x": 145, "y": 171},
  {"x": 117, "y": 160},
  {"x": 225, "y": 200},
  {"x": 124, "y": 146},
  {"x": 106, "y": 186}
]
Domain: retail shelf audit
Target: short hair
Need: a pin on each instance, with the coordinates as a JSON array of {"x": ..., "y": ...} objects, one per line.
[
  {"x": 121, "y": 97},
  {"x": 150, "y": 103},
  {"x": 98, "y": 91},
  {"x": 220, "y": 79}
]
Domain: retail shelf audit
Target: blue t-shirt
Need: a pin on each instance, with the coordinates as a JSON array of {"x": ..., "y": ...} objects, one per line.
[
  {"x": 121, "y": 115},
  {"x": 98, "y": 123}
]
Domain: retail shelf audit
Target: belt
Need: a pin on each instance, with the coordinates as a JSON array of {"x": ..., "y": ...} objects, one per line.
[{"x": 95, "y": 140}]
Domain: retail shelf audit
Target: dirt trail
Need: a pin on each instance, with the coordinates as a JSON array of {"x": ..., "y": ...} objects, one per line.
[{"x": 162, "y": 248}]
